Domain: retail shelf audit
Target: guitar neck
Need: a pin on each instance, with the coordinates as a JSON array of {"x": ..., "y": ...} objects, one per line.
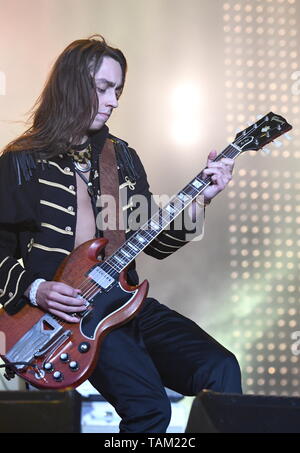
[
  {"x": 254, "y": 137},
  {"x": 131, "y": 248}
]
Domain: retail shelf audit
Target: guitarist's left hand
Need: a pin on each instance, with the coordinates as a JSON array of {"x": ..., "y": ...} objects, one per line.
[{"x": 221, "y": 175}]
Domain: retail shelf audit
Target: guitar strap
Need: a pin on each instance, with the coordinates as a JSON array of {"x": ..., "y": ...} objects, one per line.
[{"x": 113, "y": 226}]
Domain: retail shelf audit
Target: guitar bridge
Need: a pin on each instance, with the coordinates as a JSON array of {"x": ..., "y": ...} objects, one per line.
[{"x": 36, "y": 341}]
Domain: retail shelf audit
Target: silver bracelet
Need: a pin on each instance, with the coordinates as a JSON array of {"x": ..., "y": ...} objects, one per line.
[
  {"x": 33, "y": 291},
  {"x": 200, "y": 200}
]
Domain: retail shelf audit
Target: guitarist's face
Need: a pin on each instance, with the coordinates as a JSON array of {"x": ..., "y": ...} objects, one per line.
[{"x": 108, "y": 80}]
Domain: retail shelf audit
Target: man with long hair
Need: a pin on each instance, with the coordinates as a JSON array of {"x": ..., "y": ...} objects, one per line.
[{"x": 49, "y": 198}]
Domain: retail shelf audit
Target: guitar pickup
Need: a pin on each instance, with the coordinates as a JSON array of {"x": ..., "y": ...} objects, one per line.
[{"x": 102, "y": 278}]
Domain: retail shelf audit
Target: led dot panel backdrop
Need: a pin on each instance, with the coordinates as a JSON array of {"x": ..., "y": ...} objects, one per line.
[{"x": 261, "y": 60}]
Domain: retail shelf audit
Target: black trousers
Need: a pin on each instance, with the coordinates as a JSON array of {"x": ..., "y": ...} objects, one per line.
[{"x": 160, "y": 348}]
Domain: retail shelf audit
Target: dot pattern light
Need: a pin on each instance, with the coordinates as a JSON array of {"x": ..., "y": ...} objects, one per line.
[{"x": 261, "y": 53}]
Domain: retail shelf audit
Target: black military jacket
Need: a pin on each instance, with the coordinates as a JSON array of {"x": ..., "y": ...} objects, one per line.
[{"x": 38, "y": 207}]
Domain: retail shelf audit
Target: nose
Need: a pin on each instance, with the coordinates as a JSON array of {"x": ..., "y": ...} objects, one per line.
[{"x": 112, "y": 100}]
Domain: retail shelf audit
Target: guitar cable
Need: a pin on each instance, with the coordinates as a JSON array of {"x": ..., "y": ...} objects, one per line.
[
  {"x": 12, "y": 364},
  {"x": 10, "y": 371}
]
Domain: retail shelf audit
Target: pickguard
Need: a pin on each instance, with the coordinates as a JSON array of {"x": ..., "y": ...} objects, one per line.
[{"x": 103, "y": 305}]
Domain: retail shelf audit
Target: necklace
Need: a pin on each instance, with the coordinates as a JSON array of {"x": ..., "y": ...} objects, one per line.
[{"x": 82, "y": 159}]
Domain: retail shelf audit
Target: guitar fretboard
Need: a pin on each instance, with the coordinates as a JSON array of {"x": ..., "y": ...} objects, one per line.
[{"x": 162, "y": 218}]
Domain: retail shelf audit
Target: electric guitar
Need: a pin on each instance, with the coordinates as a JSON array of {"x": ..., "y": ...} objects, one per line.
[{"x": 51, "y": 353}]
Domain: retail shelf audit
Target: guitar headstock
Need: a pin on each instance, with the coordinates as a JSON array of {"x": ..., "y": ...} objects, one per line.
[{"x": 264, "y": 131}]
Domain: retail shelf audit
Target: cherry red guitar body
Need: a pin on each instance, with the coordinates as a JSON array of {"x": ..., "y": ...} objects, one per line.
[{"x": 57, "y": 354}]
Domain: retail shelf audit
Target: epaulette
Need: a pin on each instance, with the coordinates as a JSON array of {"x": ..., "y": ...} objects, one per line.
[{"x": 24, "y": 162}]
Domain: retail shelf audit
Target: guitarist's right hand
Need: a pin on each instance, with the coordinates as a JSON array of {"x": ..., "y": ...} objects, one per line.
[{"x": 60, "y": 300}]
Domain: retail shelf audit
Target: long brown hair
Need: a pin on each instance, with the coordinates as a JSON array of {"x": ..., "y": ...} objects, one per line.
[{"x": 68, "y": 103}]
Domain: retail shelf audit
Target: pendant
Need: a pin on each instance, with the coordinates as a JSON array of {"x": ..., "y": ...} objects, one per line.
[{"x": 84, "y": 169}]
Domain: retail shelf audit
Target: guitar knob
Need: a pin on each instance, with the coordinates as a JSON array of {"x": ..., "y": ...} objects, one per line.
[
  {"x": 84, "y": 347},
  {"x": 58, "y": 376},
  {"x": 48, "y": 366},
  {"x": 64, "y": 357},
  {"x": 74, "y": 365}
]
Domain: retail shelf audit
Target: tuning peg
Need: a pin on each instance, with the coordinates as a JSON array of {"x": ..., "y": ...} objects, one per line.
[
  {"x": 266, "y": 151},
  {"x": 288, "y": 137},
  {"x": 259, "y": 117},
  {"x": 277, "y": 143}
]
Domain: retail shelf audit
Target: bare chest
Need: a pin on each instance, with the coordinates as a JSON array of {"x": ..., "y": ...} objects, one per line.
[{"x": 85, "y": 224}]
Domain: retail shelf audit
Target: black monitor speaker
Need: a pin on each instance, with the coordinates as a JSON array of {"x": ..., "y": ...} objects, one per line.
[
  {"x": 40, "y": 411},
  {"x": 228, "y": 413}
]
